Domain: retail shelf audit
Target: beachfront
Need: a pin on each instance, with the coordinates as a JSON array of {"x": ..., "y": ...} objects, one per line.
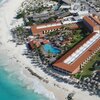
[{"x": 16, "y": 55}]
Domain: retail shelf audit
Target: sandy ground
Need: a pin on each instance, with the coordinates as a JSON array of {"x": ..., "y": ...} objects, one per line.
[{"x": 52, "y": 89}]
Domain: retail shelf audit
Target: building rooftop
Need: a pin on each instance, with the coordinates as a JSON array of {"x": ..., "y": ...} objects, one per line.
[
  {"x": 38, "y": 29},
  {"x": 67, "y": 1},
  {"x": 71, "y": 19},
  {"x": 92, "y": 20},
  {"x": 37, "y": 42},
  {"x": 74, "y": 56},
  {"x": 96, "y": 18},
  {"x": 77, "y": 55}
]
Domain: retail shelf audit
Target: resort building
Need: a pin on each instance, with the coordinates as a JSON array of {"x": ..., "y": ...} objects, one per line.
[
  {"x": 36, "y": 42},
  {"x": 77, "y": 57},
  {"x": 92, "y": 23},
  {"x": 43, "y": 28},
  {"x": 71, "y": 20},
  {"x": 82, "y": 13}
]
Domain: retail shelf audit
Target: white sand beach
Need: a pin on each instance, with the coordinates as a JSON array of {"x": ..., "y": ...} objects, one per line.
[{"x": 52, "y": 89}]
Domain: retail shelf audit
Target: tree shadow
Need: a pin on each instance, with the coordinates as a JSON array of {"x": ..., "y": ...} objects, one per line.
[{"x": 91, "y": 69}]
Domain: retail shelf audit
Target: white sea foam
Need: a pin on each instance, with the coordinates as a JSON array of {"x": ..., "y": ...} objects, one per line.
[
  {"x": 7, "y": 12},
  {"x": 31, "y": 83}
]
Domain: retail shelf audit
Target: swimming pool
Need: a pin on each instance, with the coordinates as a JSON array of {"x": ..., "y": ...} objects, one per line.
[{"x": 51, "y": 49}]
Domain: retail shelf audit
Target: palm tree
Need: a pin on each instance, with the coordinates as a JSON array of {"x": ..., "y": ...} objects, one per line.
[
  {"x": 35, "y": 47},
  {"x": 49, "y": 53}
]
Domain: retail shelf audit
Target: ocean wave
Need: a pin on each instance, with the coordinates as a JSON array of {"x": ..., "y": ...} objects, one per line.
[
  {"x": 18, "y": 75},
  {"x": 13, "y": 68},
  {"x": 30, "y": 83},
  {"x": 36, "y": 85},
  {"x": 2, "y": 2}
]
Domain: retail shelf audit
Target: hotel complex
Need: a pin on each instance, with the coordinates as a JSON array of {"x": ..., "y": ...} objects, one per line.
[
  {"x": 77, "y": 57},
  {"x": 43, "y": 28},
  {"x": 73, "y": 61}
]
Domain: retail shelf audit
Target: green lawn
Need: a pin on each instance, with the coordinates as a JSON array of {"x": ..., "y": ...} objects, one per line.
[
  {"x": 88, "y": 68},
  {"x": 76, "y": 38}
]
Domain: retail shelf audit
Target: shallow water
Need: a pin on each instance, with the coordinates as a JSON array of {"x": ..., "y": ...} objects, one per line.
[{"x": 10, "y": 87}]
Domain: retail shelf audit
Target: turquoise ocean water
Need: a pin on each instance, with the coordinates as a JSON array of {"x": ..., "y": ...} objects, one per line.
[{"x": 10, "y": 89}]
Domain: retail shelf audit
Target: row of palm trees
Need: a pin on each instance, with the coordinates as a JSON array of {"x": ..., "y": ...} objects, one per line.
[{"x": 20, "y": 34}]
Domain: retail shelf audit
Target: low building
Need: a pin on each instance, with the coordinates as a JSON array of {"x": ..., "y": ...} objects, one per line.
[
  {"x": 63, "y": 6},
  {"x": 43, "y": 28},
  {"x": 82, "y": 13},
  {"x": 92, "y": 23},
  {"x": 34, "y": 43},
  {"x": 37, "y": 43},
  {"x": 66, "y": 1},
  {"x": 71, "y": 20},
  {"x": 77, "y": 57}
]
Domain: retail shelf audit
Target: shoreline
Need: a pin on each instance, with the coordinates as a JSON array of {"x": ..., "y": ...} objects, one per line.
[{"x": 15, "y": 55}]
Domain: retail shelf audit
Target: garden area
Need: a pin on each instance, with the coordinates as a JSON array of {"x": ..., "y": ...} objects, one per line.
[
  {"x": 77, "y": 37},
  {"x": 88, "y": 68}
]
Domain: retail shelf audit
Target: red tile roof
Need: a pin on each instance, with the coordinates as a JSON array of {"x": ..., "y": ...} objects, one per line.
[
  {"x": 72, "y": 67},
  {"x": 96, "y": 18},
  {"x": 37, "y": 42},
  {"x": 74, "y": 26},
  {"x": 93, "y": 21},
  {"x": 89, "y": 21},
  {"x": 36, "y": 30}
]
